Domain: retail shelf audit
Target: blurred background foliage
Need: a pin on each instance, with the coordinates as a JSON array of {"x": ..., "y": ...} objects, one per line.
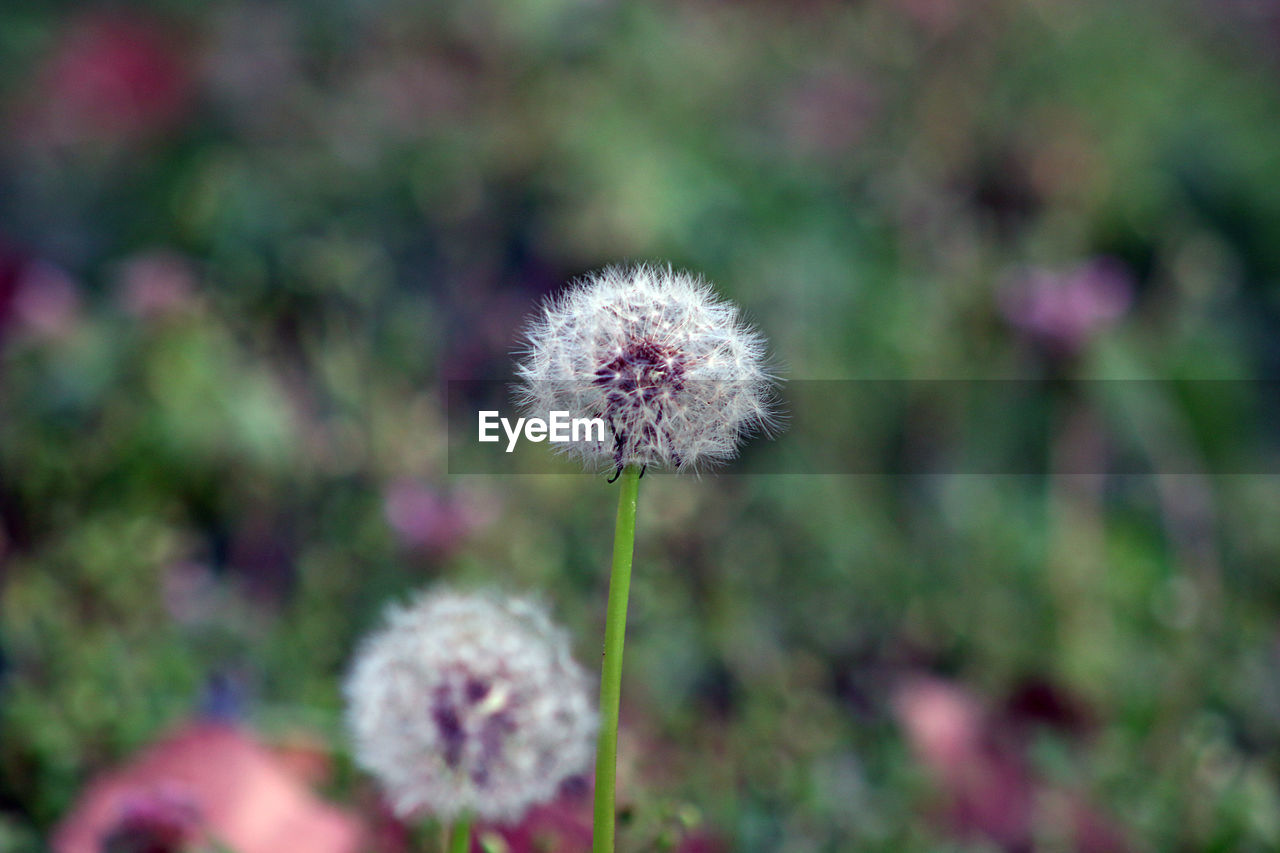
[{"x": 242, "y": 245}]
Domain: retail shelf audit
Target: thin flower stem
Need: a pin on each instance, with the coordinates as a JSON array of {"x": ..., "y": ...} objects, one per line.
[
  {"x": 460, "y": 835},
  {"x": 615, "y": 631}
]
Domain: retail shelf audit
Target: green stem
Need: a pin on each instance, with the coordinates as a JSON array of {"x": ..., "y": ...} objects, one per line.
[
  {"x": 615, "y": 631},
  {"x": 460, "y": 835}
]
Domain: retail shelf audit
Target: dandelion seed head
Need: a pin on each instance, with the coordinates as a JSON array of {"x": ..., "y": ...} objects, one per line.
[
  {"x": 469, "y": 704},
  {"x": 678, "y": 378}
]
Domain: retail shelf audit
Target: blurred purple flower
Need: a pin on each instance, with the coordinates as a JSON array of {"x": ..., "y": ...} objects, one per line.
[
  {"x": 1061, "y": 311},
  {"x": 225, "y": 698},
  {"x": 13, "y": 263}
]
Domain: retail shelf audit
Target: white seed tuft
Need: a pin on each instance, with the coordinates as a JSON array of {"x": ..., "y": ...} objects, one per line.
[
  {"x": 678, "y": 378},
  {"x": 469, "y": 705}
]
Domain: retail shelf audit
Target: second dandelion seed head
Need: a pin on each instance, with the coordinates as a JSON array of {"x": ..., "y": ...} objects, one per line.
[
  {"x": 469, "y": 704},
  {"x": 678, "y": 378}
]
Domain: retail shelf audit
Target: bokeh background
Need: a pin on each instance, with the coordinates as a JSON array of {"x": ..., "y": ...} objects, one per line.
[{"x": 244, "y": 245}]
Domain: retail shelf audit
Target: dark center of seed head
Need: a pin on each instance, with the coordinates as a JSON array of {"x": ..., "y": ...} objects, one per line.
[
  {"x": 477, "y": 689},
  {"x": 643, "y": 366},
  {"x": 449, "y": 726},
  {"x": 447, "y": 710}
]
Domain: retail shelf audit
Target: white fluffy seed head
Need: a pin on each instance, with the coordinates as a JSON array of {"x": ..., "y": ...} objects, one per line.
[
  {"x": 469, "y": 704},
  {"x": 678, "y": 378}
]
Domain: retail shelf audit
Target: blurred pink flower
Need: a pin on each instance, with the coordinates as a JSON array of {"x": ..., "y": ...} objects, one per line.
[
  {"x": 252, "y": 64},
  {"x": 564, "y": 825},
  {"x": 1062, "y": 311},
  {"x": 828, "y": 113},
  {"x": 424, "y": 519},
  {"x": 979, "y": 766},
  {"x": 46, "y": 301},
  {"x": 110, "y": 75},
  {"x": 988, "y": 789},
  {"x": 936, "y": 16},
  {"x": 155, "y": 285},
  {"x": 162, "y": 821},
  {"x": 190, "y": 593},
  {"x": 943, "y": 722},
  {"x": 702, "y": 843},
  {"x": 208, "y": 782}
]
